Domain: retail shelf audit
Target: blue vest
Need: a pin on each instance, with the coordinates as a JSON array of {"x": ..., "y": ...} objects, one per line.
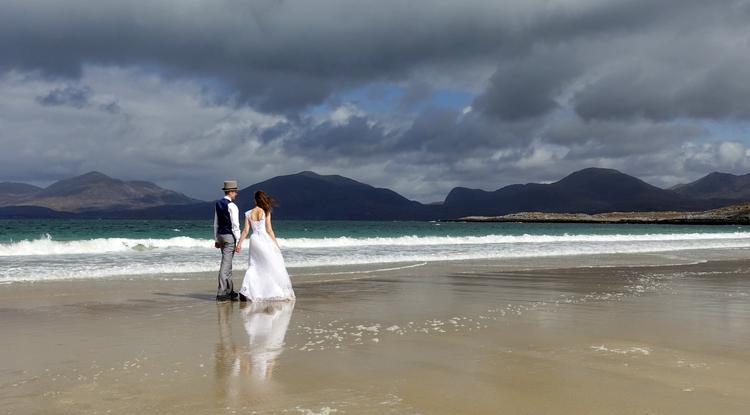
[{"x": 223, "y": 220}]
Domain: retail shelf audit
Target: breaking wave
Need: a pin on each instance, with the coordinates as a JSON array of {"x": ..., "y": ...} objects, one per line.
[{"x": 48, "y": 246}]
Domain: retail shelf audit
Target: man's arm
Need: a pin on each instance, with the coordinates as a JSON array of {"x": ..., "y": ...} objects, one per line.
[
  {"x": 216, "y": 230},
  {"x": 234, "y": 215}
]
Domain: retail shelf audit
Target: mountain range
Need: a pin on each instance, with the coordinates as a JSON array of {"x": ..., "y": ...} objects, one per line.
[
  {"x": 311, "y": 196},
  {"x": 591, "y": 190},
  {"x": 717, "y": 186},
  {"x": 92, "y": 191}
]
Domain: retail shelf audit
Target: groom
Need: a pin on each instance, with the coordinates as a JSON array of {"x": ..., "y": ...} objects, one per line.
[{"x": 226, "y": 235}]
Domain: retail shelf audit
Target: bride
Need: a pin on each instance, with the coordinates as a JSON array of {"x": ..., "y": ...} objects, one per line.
[{"x": 266, "y": 278}]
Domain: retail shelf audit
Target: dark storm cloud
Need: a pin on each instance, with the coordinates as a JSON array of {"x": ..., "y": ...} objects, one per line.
[
  {"x": 662, "y": 61},
  {"x": 355, "y": 138},
  {"x": 284, "y": 56},
  {"x": 438, "y": 135},
  {"x": 529, "y": 86},
  {"x": 277, "y": 56},
  {"x": 449, "y": 134},
  {"x": 716, "y": 90}
]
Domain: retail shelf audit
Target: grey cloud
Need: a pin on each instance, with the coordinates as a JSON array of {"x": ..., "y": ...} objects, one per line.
[
  {"x": 615, "y": 138},
  {"x": 694, "y": 65},
  {"x": 73, "y": 96},
  {"x": 111, "y": 107},
  {"x": 277, "y": 131},
  {"x": 277, "y": 56},
  {"x": 529, "y": 86},
  {"x": 726, "y": 156},
  {"x": 448, "y": 134},
  {"x": 713, "y": 90},
  {"x": 356, "y": 138},
  {"x": 77, "y": 97},
  {"x": 286, "y": 56},
  {"x": 436, "y": 135}
]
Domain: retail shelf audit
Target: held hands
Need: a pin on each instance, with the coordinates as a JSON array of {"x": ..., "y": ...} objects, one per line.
[{"x": 236, "y": 248}]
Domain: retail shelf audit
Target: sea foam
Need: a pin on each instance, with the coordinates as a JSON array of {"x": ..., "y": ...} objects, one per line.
[
  {"x": 46, "y": 258},
  {"x": 48, "y": 246}
]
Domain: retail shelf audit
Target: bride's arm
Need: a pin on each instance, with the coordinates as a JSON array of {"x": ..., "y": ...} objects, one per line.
[
  {"x": 269, "y": 229},
  {"x": 245, "y": 231}
]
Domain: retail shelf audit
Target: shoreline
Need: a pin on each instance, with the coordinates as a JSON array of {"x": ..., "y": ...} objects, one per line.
[
  {"x": 501, "y": 219},
  {"x": 333, "y": 273}
]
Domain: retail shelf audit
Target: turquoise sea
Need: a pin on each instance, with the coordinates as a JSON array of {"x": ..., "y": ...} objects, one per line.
[{"x": 33, "y": 250}]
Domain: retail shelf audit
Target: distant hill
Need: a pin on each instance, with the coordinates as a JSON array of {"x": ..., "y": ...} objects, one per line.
[
  {"x": 11, "y": 193},
  {"x": 592, "y": 190},
  {"x": 96, "y": 191},
  {"x": 304, "y": 196},
  {"x": 311, "y": 196},
  {"x": 717, "y": 186},
  {"x": 17, "y": 189}
]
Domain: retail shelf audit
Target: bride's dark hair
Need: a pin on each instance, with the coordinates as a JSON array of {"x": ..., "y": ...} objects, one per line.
[{"x": 264, "y": 201}]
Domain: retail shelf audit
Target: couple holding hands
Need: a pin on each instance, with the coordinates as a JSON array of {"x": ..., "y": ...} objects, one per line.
[{"x": 266, "y": 278}]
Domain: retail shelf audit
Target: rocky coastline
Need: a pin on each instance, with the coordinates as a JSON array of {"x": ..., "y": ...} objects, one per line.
[{"x": 730, "y": 215}]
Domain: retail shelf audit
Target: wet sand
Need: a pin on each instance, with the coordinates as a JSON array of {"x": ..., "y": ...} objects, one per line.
[{"x": 591, "y": 335}]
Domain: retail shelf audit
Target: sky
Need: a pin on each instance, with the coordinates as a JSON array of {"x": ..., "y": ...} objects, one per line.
[{"x": 417, "y": 96}]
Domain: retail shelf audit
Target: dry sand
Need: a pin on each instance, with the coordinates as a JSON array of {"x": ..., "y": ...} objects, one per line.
[{"x": 443, "y": 338}]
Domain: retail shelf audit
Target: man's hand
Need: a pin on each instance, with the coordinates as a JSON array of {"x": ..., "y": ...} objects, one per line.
[
  {"x": 217, "y": 244},
  {"x": 237, "y": 248}
]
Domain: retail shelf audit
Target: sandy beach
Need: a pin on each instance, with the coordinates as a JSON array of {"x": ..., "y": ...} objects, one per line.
[{"x": 583, "y": 335}]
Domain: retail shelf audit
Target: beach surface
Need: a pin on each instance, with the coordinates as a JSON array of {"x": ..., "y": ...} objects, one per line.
[{"x": 616, "y": 334}]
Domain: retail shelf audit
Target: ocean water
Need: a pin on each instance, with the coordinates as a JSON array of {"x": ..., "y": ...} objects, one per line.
[{"x": 32, "y": 250}]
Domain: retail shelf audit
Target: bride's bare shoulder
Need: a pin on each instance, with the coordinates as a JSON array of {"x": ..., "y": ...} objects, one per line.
[{"x": 255, "y": 213}]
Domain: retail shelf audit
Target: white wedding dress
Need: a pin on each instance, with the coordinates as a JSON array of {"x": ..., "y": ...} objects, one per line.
[{"x": 266, "y": 278}]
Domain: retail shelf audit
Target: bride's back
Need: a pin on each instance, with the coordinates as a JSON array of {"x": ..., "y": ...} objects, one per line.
[
  {"x": 256, "y": 214},
  {"x": 257, "y": 219}
]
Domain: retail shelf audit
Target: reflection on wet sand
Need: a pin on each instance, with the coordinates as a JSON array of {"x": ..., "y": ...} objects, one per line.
[
  {"x": 266, "y": 325},
  {"x": 240, "y": 371}
]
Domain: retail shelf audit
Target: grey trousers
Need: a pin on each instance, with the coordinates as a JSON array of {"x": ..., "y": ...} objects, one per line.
[{"x": 225, "y": 270}]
